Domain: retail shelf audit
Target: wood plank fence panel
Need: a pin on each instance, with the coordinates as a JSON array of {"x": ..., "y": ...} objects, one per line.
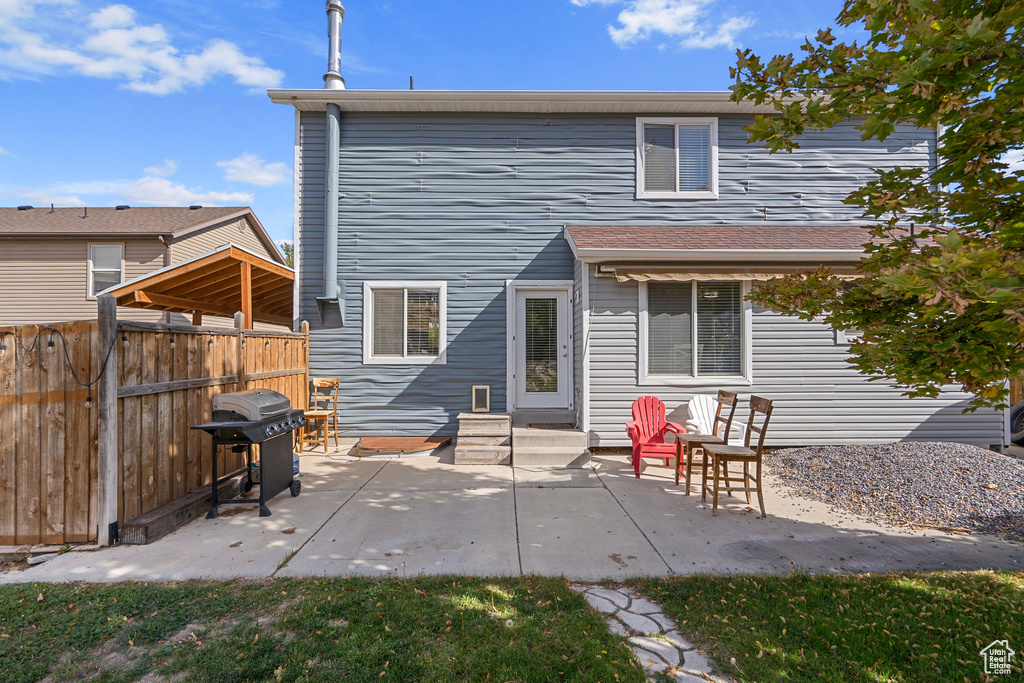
[
  {"x": 49, "y": 462},
  {"x": 1016, "y": 391},
  {"x": 8, "y": 436}
]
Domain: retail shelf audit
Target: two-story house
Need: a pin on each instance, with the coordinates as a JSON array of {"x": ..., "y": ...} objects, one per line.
[
  {"x": 54, "y": 261},
  {"x": 575, "y": 250}
]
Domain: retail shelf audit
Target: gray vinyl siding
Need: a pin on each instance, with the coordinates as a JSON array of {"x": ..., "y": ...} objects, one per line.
[
  {"x": 236, "y": 231},
  {"x": 478, "y": 199},
  {"x": 818, "y": 397},
  {"x": 46, "y": 281}
]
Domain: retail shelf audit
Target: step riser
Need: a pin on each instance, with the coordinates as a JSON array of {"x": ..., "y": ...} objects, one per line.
[
  {"x": 483, "y": 441},
  {"x": 530, "y": 438},
  {"x": 483, "y": 456},
  {"x": 569, "y": 458}
]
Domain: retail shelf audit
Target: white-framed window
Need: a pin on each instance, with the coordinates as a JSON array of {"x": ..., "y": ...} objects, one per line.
[
  {"x": 694, "y": 331},
  {"x": 677, "y": 158},
  {"x": 106, "y": 268},
  {"x": 404, "y": 323}
]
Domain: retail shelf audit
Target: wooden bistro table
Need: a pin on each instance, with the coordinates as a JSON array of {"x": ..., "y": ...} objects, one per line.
[{"x": 693, "y": 440}]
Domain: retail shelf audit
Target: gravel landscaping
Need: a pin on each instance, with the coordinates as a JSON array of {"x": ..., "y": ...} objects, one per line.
[{"x": 950, "y": 486}]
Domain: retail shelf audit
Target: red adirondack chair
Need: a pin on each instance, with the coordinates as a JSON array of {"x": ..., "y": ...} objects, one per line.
[{"x": 647, "y": 431}]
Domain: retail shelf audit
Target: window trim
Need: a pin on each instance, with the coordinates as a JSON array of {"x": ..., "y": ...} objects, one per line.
[
  {"x": 711, "y": 122},
  {"x": 644, "y": 378},
  {"x": 89, "y": 295},
  {"x": 442, "y": 314}
]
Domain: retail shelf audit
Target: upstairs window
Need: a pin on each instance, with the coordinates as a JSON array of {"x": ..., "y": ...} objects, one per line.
[
  {"x": 404, "y": 322},
  {"x": 106, "y": 267},
  {"x": 677, "y": 158}
]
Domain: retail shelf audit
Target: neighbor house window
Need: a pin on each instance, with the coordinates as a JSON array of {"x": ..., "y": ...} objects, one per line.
[
  {"x": 404, "y": 322},
  {"x": 693, "y": 329},
  {"x": 106, "y": 267},
  {"x": 677, "y": 158}
]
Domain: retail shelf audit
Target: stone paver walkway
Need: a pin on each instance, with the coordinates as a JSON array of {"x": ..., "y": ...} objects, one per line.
[{"x": 653, "y": 636}]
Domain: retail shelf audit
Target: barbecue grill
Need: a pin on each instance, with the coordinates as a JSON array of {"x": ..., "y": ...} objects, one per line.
[{"x": 256, "y": 416}]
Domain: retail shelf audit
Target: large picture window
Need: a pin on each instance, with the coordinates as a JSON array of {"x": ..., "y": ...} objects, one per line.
[
  {"x": 106, "y": 267},
  {"x": 693, "y": 329},
  {"x": 677, "y": 158},
  {"x": 404, "y": 322}
]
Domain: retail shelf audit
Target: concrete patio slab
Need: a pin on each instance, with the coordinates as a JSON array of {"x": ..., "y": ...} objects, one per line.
[
  {"x": 238, "y": 544},
  {"x": 557, "y": 477},
  {"x": 407, "y": 533},
  {"x": 429, "y": 474},
  {"x": 582, "y": 534},
  {"x": 797, "y": 534},
  {"x": 336, "y": 473}
]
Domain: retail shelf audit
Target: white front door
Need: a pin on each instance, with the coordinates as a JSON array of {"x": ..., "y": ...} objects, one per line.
[{"x": 541, "y": 341}]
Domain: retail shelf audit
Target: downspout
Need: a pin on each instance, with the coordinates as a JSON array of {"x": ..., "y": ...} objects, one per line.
[{"x": 332, "y": 290}]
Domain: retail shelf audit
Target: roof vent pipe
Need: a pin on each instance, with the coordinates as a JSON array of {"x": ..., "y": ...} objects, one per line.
[{"x": 335, "y": 15}]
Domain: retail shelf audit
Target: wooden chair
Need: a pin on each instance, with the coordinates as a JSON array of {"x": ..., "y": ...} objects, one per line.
[
  {"x": 647, "y": 431},
  {"x": 692, "y": 441},
  {"x": 321, "y": 422},
  {"x": 721, "y": 455}
]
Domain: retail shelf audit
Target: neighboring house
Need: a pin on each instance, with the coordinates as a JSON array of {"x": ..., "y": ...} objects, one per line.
[
  {"x": 576, "y": 250},
  {"x": 53, "y": 262}
]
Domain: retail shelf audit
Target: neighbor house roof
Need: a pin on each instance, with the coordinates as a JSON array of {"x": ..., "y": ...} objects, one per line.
[
  {"x": 705, "y": 242},
  {"x": 129, "y": 223},
  {"x": 520, "y": 101}
]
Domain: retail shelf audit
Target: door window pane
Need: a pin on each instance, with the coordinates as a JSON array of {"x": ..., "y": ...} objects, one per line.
[
  {"x": 541, "y": 345},
  {"x": 669, "y": 328},
  {"x": 388, "y": 321}
]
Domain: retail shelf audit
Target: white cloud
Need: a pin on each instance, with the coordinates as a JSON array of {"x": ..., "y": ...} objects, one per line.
[
  {"x": 3, "y": 151},
  {"x": 168, "y": 168},
  {"x": 686, "y": 20},
  {"x": 148, "y": 190},
  {"x": 249, "y": 168},
  {"x": 111, "y": 44},
  {"x": 1014, "y": 159}
]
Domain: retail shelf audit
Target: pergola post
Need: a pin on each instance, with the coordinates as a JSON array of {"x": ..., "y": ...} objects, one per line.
[{"x": 247, "y": 293}]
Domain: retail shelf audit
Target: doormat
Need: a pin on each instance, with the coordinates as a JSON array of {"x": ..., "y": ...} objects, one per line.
[{"x": 551, "y": 425}]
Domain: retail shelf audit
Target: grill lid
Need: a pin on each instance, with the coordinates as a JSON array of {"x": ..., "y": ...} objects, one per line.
[{"x": 253, "y": 404}]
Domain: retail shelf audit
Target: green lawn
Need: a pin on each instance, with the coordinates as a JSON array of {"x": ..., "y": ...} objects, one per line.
[
  {"x": 427, "y": 629},
  {"x": 897, "y": 627}
]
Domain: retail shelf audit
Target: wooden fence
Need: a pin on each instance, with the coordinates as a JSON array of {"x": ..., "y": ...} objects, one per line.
[
  {"x": 1016, "y": 391},
  {"x": 54, "y": 487}
]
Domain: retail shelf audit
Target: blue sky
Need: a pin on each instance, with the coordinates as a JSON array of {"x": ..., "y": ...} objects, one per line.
[{"x": 164, "y": 103}]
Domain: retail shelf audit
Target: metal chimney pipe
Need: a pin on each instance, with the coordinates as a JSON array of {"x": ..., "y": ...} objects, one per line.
[{"x": 335, "y": 15}]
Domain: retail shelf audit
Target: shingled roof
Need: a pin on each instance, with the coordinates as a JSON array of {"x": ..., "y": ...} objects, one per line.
[
  {"x": 704, "y": 237},
  {"x": 127, "y": 223}
]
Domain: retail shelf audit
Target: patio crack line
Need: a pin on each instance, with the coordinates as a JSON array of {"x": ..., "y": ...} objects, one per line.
[
  {"x": 623, "y": 507},
  {"x": 319, "y": 528},
  {"x": 515, "y": 514}
]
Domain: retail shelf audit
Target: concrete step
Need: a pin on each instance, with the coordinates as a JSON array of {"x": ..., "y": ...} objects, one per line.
[
  {"x": 474, "y": 441},
  {"x": 541, "y": 456},
  {"x": 492, "y": 455},
  {"x": 569, "y": 438}
]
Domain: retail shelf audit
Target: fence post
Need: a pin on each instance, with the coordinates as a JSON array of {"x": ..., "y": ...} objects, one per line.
[
  {"x": 106, "y": 405},
  {"x": 240, "y": 348}
]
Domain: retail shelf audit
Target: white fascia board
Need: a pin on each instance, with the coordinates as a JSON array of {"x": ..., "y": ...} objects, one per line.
[
  {"x": 537, "y": 101},
  {"x": 571, "y": 241},
  {"x": 702, "y": 255}
]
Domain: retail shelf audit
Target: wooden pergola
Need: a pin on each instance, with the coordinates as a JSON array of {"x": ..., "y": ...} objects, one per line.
[{"x": 222, "y": 282}]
